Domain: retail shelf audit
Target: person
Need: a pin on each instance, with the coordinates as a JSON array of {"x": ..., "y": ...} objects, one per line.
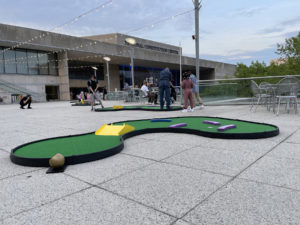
[
  {"x": 104, "y": 93},
  {"x": 152, "y": 97},
  {"x": 25, "y": 101},
  {"x": 126, "y": 87},
  {"x": 195, "y": 90},
  {"x": 93, "y": 89},
  {"x": 165, "y": 77},
  {"x": 187, "y": 86},
  {"x": 80, "y": 97},
  {"x": 173, "y": 92}
]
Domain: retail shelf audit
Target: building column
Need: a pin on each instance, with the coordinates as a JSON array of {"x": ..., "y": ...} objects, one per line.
[{"x": 63, "y": 73}]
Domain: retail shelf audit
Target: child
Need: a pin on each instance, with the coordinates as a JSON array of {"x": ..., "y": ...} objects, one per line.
[{"x": 187, "y": 86}]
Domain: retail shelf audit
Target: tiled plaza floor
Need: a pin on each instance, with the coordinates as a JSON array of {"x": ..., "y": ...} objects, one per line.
[{"x": 164, "y": 178}]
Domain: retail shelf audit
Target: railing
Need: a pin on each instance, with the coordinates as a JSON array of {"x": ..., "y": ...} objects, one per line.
[
  {"x": 15, "y": 90},
  {"x": 232, "y": 90}
]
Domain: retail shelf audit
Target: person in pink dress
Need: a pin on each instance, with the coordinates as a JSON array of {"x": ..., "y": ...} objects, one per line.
[{"x": 187, "y": 86}]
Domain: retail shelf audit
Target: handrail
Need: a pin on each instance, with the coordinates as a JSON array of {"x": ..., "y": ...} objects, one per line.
[{"x": 248, "y": 78}]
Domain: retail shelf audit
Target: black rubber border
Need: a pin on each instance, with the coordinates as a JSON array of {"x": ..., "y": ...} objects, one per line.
[
  {"x": 139, "y": 108},
  {"x": 75, "y": 159}
]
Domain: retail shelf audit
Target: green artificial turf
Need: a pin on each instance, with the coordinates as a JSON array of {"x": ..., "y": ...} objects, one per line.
[
  {"x": 197, "y": 123},
  {"x": 89, "y": 143},
  {"x": 69, "y": 146}
]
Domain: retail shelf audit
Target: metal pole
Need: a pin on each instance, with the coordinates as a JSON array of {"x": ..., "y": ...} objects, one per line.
[
  {"x": 95, "y": 74},
  {"x": 197, "y": 7},
  {"x": 108, "y": 81},
  {"x": 132, "y": 66},
  {"x": 180, "y": 71}
]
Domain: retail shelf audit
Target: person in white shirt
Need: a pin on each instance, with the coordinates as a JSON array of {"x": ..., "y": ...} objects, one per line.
[
  {"x": 145, "y": 89},
  {"x": 152, "y": 97}
]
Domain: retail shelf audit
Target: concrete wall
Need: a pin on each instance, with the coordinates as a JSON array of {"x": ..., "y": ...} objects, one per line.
[
  {"x": 34, "y": 83},
  {"x": 63, "y": 72}
]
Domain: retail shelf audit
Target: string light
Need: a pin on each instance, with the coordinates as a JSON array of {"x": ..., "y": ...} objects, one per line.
[
  {"x": 95, "y": 42},
  {"x": 64, "y": 24}
]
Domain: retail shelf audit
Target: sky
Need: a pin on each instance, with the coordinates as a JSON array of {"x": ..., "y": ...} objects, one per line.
[{"x": 231, "y": 31}]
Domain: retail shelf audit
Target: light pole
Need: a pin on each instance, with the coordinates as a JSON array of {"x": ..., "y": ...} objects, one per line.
[
  {"x": 107, "y": 59},
  {"x": 197, "y": 8},
  {"x": 95, "y": 71},
  {"x": 131, "y": 42}
]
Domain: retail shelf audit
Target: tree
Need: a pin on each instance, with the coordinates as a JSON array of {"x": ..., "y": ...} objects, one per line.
[{"x": 291, "y": 48}]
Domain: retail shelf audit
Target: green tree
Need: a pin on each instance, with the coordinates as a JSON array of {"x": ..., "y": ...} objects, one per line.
[{"x": 291, "y": 48}]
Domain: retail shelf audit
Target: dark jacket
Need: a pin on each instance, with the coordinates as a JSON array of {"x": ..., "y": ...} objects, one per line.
[{"x": 164, "y": 78}]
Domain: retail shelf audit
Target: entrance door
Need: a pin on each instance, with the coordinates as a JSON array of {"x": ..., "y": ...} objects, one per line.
[{"x": 52, "y": 92}]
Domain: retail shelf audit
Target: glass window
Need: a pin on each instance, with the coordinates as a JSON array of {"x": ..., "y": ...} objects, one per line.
[
  {"x": 10, "y": 61},
  {"x": 21, "y": 58},
  {"x": 43, "y": 63},
  {"x": 1, "y": 60},
  {"x": 33, "y": 63},
  {"x": 52, "y": 64}
]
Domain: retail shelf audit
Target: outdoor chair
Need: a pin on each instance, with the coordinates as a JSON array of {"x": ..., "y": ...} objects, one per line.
[
  {"x": 287, "y": 90},
  {"x": 140, "y": 97},
  {"x": 259, "y": 95}
]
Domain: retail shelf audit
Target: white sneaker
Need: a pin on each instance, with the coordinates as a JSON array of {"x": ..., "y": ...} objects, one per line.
[
  {"x": 201, "y": 107},
  {"x": 184, "y": 111},
  {"x": 192, "y": 110}
]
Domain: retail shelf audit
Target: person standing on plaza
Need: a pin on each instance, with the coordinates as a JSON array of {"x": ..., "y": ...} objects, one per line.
[
  {"x": 165, "y": 77},
  {"x": 195, "y": 90},
  {"x": 93, "y": 89},
  {"x": 187, "y": 86}
]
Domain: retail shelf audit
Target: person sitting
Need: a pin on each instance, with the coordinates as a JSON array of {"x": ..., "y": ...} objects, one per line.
[
  {"x": 152, "y": 97},
  {"x": 25, "y": 101},
  {"x": 80, "y": 97}
]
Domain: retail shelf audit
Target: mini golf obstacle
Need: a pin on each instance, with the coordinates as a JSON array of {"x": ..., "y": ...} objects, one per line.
[
  {"x": 109, "y": 139},
  {"x": 140, "y": 107},
  {"x": 114, "y": 130}
]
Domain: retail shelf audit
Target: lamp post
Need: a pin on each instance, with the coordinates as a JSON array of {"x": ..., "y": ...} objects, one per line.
[
  {"x": 131, "y": 42},
  {"x": 95, "y": 71},
  {"x": 197, "y": 6},
  {"x": 107, "y": 59}
]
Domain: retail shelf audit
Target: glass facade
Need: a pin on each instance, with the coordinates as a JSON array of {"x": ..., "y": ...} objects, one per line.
[
  {"x": 141, "y": 74},
  {"x": 22, "y": 66},
  {"x": 83, "y": 70},
  {"x": 10, "y": 65},
  {"x": 1, "y": 61},
  {"x": 24, "y": 61}
]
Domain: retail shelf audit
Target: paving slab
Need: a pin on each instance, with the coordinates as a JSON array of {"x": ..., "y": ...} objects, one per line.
[
  {"x": 181, "y": 222},
  {"x": 295, "y": 138},
  {"x": 286, "y": 150},
  {"x": 92, "y": 207},
  {"x": 8, "y": 169},
  {"x": 248, "y": 203},
  {"x": 33, "y": 189},
  {"x": 155, "y": 149},
  {"x": 105, "y": 169},
  {"x": 275, "y": 171},
  {"x": 259, "y": 146},
  {"x": 168, "y": 188},
  {"x": 215, "y": 160}
]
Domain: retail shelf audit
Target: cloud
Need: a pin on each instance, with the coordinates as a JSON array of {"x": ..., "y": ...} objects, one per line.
[
  {"x": 248, "y": 12},
  {"x": 289, "y": 22},
  {"x": 270, "y": 30}
]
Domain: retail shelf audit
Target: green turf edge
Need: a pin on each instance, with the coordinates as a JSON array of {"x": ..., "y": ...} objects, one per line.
[{"x": 76, "y": 142}]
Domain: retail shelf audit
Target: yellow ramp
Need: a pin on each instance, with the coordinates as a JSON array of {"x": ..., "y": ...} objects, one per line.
[
  {"x": 117, "y": 107},
  {"x": 114, "y": 130}
]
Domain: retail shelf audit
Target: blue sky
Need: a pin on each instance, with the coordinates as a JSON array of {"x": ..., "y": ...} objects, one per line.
[{"x": 230, "y": 30}]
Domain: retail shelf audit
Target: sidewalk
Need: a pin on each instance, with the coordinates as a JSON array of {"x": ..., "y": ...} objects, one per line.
[{"x": 163, "y": 178}]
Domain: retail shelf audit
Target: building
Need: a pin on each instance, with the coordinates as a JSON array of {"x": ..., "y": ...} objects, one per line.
[{"x": 51, "y": 65}]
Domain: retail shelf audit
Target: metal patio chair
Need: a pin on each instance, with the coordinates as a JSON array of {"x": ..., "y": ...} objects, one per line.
[
  {"x": 259, "y": 95},
  {"x": 287, "y": 90}
]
